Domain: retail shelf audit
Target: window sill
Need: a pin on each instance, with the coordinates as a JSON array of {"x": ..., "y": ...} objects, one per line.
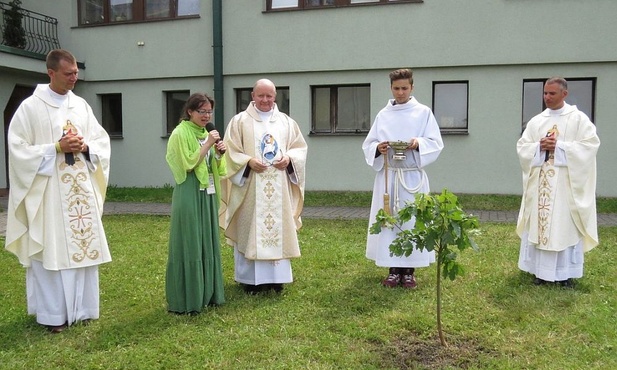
[
  {"x": 358, "y": 133},
  {"x": 453, "y": 132},
  {"x": 334, "y": 6},
  {"x": 88, "y": 25}
]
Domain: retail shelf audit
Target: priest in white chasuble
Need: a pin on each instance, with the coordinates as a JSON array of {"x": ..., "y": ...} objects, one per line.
[
  {"x": 58, "y": 171},
  {"x": 264, "y": 194},
  {"x": 557, "y": 221}
]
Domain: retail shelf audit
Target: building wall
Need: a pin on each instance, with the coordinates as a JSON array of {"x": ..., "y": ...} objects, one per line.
[
  {"x": 9, "y": 79},
  {"x": 493, "y": 44},
  {"x": 435, "y": 33}
]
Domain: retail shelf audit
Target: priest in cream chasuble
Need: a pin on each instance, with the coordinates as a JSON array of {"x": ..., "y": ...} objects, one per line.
[
  {"x": 557, "y": 221},
  {"x": 58, "y": 172},
  {"x": 264, "y": 194}
]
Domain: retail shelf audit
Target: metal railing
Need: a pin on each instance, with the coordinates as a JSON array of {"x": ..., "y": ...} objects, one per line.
[{"x": 40, "y": 30}]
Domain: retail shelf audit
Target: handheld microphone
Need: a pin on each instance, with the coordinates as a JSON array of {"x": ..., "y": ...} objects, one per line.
[{"x": 209, "y": 127}]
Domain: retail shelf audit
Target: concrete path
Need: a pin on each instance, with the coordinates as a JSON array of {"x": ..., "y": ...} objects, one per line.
[{"x": 332, "y": 213}]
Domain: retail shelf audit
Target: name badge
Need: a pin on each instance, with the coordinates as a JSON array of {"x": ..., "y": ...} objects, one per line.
[{"x": 211, "y": 189}]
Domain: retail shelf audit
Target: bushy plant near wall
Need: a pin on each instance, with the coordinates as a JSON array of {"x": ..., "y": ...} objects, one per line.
[{"x": 13, "y": 32}]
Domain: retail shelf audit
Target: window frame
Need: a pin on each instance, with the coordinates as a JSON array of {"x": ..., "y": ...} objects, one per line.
[
  {"x": 170, "y": 121},
  {"x": 333, "y": 114},
  {"x": 138, "y": 13},
  {"x": 110, "y": 120},
  {"x": 435, "y": 107},
  {"x": 570, "y": 80},
  {"x": 302, "y": 4},
  {"x": 282, "y": 93}
]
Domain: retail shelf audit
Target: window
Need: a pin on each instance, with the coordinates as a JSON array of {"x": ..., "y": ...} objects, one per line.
[
  {"x": 581, "y": 92},
  {"x": 340, "y": 109},
  {"x": 112, "y": 114},
  {"x": 113, "y": 11},
  {"x": 311, "y": 4},
  {"x": 243, "y": 98},
  {"x": 450, "y": 106},
  {"x": 174, "y": 102}
]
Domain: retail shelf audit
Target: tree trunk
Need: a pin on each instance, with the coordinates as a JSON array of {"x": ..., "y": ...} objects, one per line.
[{"x": 442, "y": 338}]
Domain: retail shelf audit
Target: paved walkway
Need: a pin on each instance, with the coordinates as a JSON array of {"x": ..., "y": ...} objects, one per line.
[{"x": 332, "y": 213}]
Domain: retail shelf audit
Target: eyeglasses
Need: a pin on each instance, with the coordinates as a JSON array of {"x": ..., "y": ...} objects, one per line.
[{"x": 203, "y": 111}]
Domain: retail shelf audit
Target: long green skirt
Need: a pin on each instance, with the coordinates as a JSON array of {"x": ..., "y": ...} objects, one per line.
[{"x": 194, "y": 274}]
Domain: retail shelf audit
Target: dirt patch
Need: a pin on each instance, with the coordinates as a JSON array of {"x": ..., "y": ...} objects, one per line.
[{"x": 415, "y": 352}]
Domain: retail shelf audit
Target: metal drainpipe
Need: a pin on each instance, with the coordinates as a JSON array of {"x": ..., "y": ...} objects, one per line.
[{"x": 217, "y": 38}]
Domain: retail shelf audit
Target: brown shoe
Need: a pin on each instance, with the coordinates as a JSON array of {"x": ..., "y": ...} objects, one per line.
[
  {"x": 392, "y": 280},
  {"x": 409, "y": 281}
]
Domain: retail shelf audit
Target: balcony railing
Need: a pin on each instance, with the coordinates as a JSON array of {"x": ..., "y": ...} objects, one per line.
[{"x": 40, "y": 31}]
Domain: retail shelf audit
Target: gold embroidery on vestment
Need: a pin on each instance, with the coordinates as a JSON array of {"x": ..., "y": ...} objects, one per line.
[
  {"x": 80, "y": 215},
  {"x": 545, "y": 203},
  {"x": 270, "y": 235}
]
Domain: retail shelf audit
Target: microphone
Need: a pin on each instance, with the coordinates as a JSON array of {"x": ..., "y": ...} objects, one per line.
[{"x": 209, "y": 127}]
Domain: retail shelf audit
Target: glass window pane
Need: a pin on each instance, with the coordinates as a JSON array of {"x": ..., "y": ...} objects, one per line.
[
  {"x": 533, "y": 100},
  {"x": 580, "y": 93},
  {"x": 92, "y": 12},
  {"x": 353, "y": 108},
  {"x": 121, "y": 10},
  {"x": 157, "y": 9},
  {"x": 278, "y": 4},
  {"x": 321, "y": 109},
  {"x": 112, "y": 114},
  {"x": 243, "y": 98},
  {"x": 318, "y": 2},
  {"x": 188, "y": 7},
  {"x": 282, "y": 99},
  {"x": 364, "y": 1},
  {"x": 450, "y": 105},
  {"x": 174, "y": 102}
]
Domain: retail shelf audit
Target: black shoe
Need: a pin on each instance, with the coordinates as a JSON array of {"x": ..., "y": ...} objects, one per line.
[
  {"x": 569, "y": 283},
  {"x": 538, "y": 281},
  {"x": 278, "y": 288},
  {"x": 252, "y": 289}
]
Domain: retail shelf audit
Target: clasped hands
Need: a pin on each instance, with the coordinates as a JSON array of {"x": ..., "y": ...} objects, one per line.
[
  {"x": 384, "y": 145},
  {"x": 72, "y": 143},
  {"x": 548, "y": 143},
  {"x": 258, "y": 166}
]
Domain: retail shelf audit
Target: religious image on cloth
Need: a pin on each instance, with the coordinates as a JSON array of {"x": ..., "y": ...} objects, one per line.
[{"x": 269, "y": 148}]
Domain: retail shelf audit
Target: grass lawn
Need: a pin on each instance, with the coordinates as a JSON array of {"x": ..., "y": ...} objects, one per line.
[
  {"x": 334, "y": 316},
  {"x": 487, "y": 202}
]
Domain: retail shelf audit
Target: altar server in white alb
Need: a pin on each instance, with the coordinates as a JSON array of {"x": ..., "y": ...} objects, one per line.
[
  {"x": 58, "y": 172},
  {"x": 266, "y": 157},
  {"x": 402, "y": 119},
  {"x": 557, "y": 220}
]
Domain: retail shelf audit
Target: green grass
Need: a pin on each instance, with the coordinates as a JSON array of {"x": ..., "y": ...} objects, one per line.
[
  {"x": 334, "y": 316},
  {"x": 484, "y": 202}
]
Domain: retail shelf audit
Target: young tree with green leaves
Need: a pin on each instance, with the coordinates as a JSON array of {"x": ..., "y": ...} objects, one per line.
[{"x": 441, "y": 226}]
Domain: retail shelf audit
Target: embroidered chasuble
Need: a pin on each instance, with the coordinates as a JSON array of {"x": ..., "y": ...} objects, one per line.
[
  {"x": 263, "y": 210},
  {"x": 55, "y": 207},
  {"x": 558, "y": 205}
]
